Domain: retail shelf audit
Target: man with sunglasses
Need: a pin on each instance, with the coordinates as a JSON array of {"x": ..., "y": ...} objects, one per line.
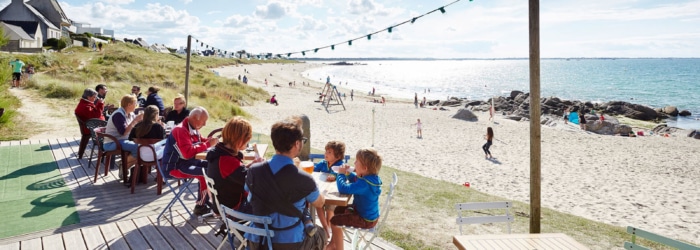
[{"x": 277, "y": 188}]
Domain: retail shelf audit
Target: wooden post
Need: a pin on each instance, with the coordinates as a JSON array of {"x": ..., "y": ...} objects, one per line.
[
  {"x": 187, "y": 69},
  {"x": 535, "y": 133},
  {"x": 306, "y": 148}
]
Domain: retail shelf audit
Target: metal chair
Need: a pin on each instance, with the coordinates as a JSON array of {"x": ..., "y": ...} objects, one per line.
[
  {"x": 145, "y": 159},
  {"x": 508, "y": 218},
  {"x": 85, "y": 136},
  {"x": 313, "y": 157},
  {"x": 178, "y": 192},
  {"x": 215, "y": 132},
  {"x": 92, "y": 124},
  {"x": 214, "y": 194},
  {"x": 234, "y": 227},
  {"x": 359, "y": 235},
  {"x": 105, "y": 155}
]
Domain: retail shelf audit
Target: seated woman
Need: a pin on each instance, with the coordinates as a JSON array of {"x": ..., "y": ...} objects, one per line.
[
  {"x": 154, "y": 99},
  {"x": 179, "y": 112},
  {"x": 225, "y": 164},
  {"x": 273, "y": 100},
  {"x": 150, "y": 127},
  {"x": 120, "y": 125}
]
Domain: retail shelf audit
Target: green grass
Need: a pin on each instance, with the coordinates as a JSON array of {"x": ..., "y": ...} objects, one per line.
[{"x": 32, "y": 191}]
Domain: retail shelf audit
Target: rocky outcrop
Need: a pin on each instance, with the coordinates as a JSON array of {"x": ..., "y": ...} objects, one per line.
[
  {"x": 685, "y": 113},
  {"x": 634, "y": 111},
  {"x": 670, "y": 110},
  {"x": 466, "y": 115}
]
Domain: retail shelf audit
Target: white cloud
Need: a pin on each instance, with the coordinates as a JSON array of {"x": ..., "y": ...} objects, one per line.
[
  {"x": 237, "y": 21},
  {"x": 186, "y": 1},
  {"x": 273, "y": 10},
  {"x": 117, "y": 2}
]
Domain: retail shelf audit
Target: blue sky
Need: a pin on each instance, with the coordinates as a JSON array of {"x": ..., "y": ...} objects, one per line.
[{"x": 477, "y": 29}]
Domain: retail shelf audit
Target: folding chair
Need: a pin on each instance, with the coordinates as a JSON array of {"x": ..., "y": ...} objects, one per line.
[
  {"x": 313, "y": 157},
  {"x": 213, "y": 193},
  {"x": 484, "y": 219},
  {"x": 359, "y": 235},
  {"x": 234, "y": 227},
  {"x": 179, "y": 191},
  {"x": 92, "y": 124}
]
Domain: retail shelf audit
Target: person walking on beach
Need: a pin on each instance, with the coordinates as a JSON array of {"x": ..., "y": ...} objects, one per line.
[
  {"x": 582, "y": 119},
  {"x": 383, "y": 101},
  {"x": 489, "y": 141},
  {"x": 419, "y": 129},
  {"x": 372, "y": 91},
  {"x": 352, "y": 93},
  {"x": 415, "y": 100}
]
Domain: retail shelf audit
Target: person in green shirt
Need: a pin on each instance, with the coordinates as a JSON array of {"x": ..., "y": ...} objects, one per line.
[{"x": 16, "y": 72}]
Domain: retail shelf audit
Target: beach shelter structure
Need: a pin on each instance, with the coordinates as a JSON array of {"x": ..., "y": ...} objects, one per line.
[{"x": 535, "y": 113}]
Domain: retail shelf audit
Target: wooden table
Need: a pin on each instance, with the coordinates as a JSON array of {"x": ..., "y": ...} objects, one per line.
[
  {"x": 517, "y": 241},
  {"x": 247, "y": 155},
  {"x": 329, "y": 190}
]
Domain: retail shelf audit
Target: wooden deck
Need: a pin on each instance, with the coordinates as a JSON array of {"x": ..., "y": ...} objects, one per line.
[{"x": 112, "y": 217}]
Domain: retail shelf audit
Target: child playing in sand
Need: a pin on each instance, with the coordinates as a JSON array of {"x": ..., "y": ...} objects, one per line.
[
  {"x": 335, "y": 151},
  {"x": 365, "y": 185},
  {"x": 489, "y": 141},
  {"x": 419, "y": 129}
]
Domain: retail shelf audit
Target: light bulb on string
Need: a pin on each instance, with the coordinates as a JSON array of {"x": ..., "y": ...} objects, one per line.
[
  {"x": 414, "y": 20},
  {"x": 332, "y": 47},
  {"x": 442, "y": 9},
  {"x": 350, "y": 43},
  {"x": 389, "y": 29},
  {"x": 315, "y": 50},
  {"x": 369, "y": 37}
]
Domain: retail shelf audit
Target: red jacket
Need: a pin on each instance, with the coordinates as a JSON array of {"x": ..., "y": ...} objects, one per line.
[
  {"x": 188, "y": 144},
  {"x": 87, "y": 110}
]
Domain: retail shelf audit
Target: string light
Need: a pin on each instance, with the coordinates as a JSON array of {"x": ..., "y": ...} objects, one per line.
[{"x": 389, "y": 29}]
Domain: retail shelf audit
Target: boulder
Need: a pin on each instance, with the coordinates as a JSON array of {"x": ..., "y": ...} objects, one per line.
[
  {"x": 474, "y": 103},
  {"x": 552, "y": 101},
  {"x": 522, "y": 98},
  {"x": 685, "y": 113},
  {"x": 452, "y": 103},
  {"x": 466, "y": 115},
  {"x": 515, "y": 93},
  {"x": 514, "y": 117},
  {"x": 433, "y": 103},
  {"x": 634, "y": 111},
  {"x": 670, "y": 110}
]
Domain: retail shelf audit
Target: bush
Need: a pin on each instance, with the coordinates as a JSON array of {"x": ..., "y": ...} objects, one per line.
[
  {"x": 53, "y": 42},
  {"x": 61, "y": 44},
  {"x": 56, "y": 91}
]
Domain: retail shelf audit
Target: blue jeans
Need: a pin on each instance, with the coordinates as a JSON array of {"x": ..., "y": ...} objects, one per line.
[{"x": 126, "y": 146}]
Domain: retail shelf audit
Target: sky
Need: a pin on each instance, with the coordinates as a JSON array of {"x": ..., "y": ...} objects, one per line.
[{"x": 467, "y": 29}]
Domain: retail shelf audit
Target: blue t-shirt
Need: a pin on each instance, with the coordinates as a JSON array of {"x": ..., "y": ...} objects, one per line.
[
  {"x": 365, "y": 191},
  {"x": 292, "y": 235},
  {"x": 322, "y": 166}
]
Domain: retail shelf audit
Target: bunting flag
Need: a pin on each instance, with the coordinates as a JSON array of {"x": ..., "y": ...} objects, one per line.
[{"x": 389, "y": 29}]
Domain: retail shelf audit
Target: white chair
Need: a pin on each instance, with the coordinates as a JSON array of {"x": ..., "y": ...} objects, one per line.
[
  {"x": 359, "y": 235},
  {"x": 508, "y": 218},
  {"x": 213, "y": 193},
  {"x": 234, "y": 227}
]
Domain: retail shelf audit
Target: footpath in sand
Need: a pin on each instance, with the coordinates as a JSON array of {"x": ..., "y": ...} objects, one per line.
[{"x": 648, "y": 182}]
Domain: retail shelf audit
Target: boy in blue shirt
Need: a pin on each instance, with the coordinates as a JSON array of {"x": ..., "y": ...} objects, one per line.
[
  {"x": 335, "y": 151},
  {"x": 365, "y": 185}
]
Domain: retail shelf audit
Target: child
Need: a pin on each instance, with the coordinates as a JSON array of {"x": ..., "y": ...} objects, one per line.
[
  {"x": 335, "y": 151},
  {"x": 489, "y": 139},
  {"x": 419, "y": 129},
  {"x": 365, "y": 185}
]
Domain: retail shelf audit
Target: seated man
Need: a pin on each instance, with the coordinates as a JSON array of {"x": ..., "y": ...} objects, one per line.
[
  {"x": 281, "y": 190},
  {"x": 181, "y": 147}
]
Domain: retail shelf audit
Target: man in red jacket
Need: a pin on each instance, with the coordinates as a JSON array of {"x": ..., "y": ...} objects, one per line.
[{"x": 181, "y": 147}]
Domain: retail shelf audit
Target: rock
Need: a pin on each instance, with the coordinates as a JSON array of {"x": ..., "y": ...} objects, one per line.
[
  {"x": 685, "y": 113},
  {"x": 452, "y": 103},
  {"x": 514, "y": 117},
  {"x": 433, "y": 103},
  {"x": 634, "y": 111},
  {"x": 670, "y": 110},
  {"x": 474, "y": 103},
  {"x": 552, "y": 101},
  {"x": 515, "y": 93},
  {"x": 466, "y": 115},
  {"x": 522, "y": 98}
]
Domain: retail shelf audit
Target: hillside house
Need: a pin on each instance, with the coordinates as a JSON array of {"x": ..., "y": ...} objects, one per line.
[{"x": 47, "y": 14}]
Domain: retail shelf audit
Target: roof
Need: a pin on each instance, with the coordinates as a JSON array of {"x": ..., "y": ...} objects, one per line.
[
  {"x": 19, "y": 11},
  {"x": 15, "y": 32},
  {"x": 50, "y": 5},
  {"x": 29, "y": 27}
]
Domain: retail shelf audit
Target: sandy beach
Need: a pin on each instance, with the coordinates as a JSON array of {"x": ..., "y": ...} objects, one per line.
[{"x": 650, "y": 182}]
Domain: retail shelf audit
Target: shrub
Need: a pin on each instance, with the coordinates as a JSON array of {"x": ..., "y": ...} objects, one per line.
[
  {"x": 57, "y": 91},
  {"x": 53, "y": 42}
]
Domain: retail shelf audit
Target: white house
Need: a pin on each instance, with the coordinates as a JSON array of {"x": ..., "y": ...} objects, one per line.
[
  {"x": 46, "y": 13},
  {"x": 23, "y": 35}
]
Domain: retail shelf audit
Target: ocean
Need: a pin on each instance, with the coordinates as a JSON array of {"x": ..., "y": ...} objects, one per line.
[{"x": 652, "y": 82}]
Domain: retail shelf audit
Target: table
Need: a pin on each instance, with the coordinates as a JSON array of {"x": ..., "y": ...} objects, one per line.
[
  {"x": 247, "y": 155},
  {"x": 517, "y": 241},
  {"x": 329, "y": 190}
]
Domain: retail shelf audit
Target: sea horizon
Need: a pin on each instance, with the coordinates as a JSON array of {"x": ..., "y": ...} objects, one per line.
[{"x": 654, "y": 82}]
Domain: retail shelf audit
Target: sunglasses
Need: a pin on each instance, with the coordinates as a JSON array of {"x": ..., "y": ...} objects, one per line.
[{"x": 303, "y": 140}]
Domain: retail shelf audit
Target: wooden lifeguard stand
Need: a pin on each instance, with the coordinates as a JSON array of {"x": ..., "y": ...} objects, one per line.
[{"x": 331, "y": 96}]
